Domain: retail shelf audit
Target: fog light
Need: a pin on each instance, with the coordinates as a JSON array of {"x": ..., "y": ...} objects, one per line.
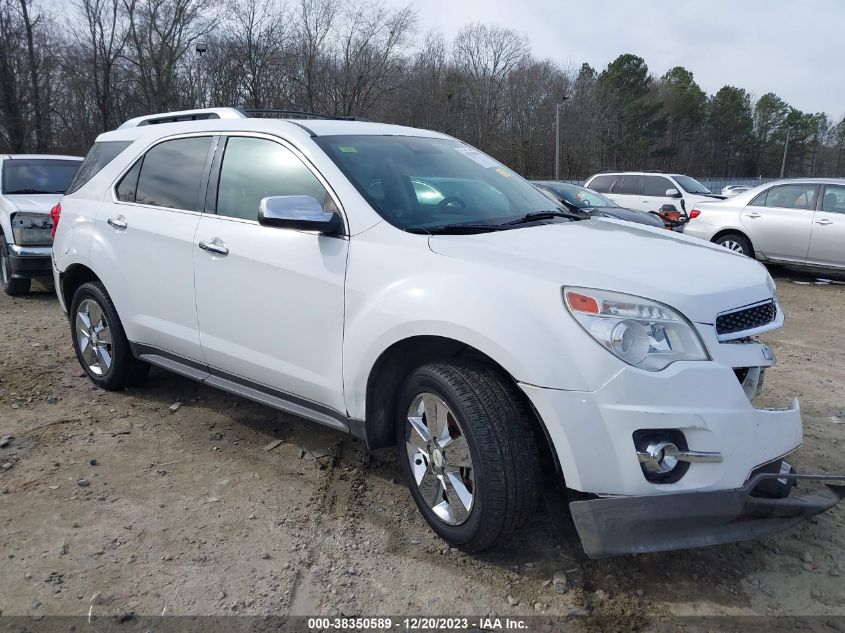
[{"x": 659, "y": 457}]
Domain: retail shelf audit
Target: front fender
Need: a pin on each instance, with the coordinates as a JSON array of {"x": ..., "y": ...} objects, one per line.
[
  {"x": 518, "y": 321},
  {"x": 6, "y": 211}
]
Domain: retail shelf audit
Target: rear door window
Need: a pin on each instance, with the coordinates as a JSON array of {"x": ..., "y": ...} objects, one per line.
[
  {"x": 656, "y": 186},
  {"x": 100, "y": 155},
  {"x": 631, "y": 185},
  {"x": 602, "y": 184},
  {"x": 171, "y": 173}
]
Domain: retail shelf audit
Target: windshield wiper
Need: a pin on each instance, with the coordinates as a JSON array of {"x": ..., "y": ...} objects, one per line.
[
  {"x": 30, "y": 191},
  {"x": 455, "y": 229},
  {"x": 543, "y": 215}
]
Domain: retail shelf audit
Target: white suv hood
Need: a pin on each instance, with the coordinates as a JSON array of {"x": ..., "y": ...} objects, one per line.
[
  {"x": 695, "y": 277},
  {"x": 34, "y": 203}
]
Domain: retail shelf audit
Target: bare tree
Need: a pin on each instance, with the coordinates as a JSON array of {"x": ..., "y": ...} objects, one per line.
[
  {"x": 315, "y": 21},
  {"x": 368, "y": 61},
  {"x": 11, "y": 91},
  {"x": 37, "y": 111},
  {"x": 102, "y": 39},
  {"x": 161, "y": 32},
  {"x": 255, "y": 42},
  {"x": 487, "y": 55}
]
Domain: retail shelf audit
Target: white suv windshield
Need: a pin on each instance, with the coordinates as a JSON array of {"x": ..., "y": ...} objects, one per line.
[
  {"x": 690, "y": 185},
  {"x": 419, "y": 183}
]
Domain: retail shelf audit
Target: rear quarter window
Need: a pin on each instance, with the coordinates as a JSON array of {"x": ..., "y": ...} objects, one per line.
[{"x": 100, "y": 155}]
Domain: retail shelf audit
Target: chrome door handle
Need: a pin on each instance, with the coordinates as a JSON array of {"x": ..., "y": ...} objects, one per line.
[
  {"x": 118, "y": 223},
  {"x": 213, "y": 247},
  {"x": 824, "y": 221},
  {"x": 754, "y": 214}
]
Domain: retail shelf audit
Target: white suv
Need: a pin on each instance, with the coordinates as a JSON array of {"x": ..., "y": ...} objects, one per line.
[
  {"x": 649, "y": 191},
  {"x": 401, "y": 286}
]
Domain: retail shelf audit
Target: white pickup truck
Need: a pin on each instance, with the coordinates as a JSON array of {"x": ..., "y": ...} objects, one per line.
[
  {"x": 30, "y": 184},
  {"x": 402, "y": 286}
]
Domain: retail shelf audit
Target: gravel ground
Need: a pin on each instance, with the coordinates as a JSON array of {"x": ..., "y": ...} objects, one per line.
[{"x": 133, "y": 502}]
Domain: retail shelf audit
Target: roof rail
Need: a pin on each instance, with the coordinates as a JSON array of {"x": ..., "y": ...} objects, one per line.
[
  {"x": 184, "y": 115},
  {"x": 295, "y": 114}
]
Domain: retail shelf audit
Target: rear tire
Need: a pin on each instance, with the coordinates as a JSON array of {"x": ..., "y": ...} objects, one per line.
[
  {"x": 476, "y": 477},
  {"x": 100, "y": 342},
  {"x": 735, "y": 242},
  {"x": 12, "y": 286}
]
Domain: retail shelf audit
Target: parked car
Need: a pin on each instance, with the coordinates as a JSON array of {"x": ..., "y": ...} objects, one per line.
[
  {"x": 486, "y": 333},
  {"x": 732, "y": 190},
  {"x": 796, "y": 222},
  {"x": 593, "y": 203},
  {"x": 649, "y": 191},
  {"x": 30, "y": 184}
]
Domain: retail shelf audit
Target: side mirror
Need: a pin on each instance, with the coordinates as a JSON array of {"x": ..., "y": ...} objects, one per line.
[
  {"x": 673, "y": 193},
  {"x": 303, "y": 213}
]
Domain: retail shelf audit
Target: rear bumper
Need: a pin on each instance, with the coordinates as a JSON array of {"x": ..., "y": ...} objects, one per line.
[
  {"x": 30, "y": 261},
  {"x": 635, "y": 525}
]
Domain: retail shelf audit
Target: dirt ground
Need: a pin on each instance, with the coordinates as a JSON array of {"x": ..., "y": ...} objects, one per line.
[{"x": 126, "y": 501}]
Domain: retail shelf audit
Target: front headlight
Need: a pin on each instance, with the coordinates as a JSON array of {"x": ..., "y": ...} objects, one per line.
[{"x": 641, "y": 332}]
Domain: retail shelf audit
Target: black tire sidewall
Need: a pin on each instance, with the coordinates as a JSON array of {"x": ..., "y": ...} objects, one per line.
[
  {"x": 418, "y": 383},
  {"x": 11, "y": 286},
  {"x": 4, "y": 256},
  {"x": 116, "y": 376}
]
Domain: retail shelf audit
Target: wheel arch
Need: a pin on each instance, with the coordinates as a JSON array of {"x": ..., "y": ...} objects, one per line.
[
  {"x": 72, "y": 278},
  {"x": 395, "y": 364}
]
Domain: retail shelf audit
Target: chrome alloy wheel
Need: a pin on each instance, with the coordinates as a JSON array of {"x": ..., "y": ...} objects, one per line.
[
  {"x": 440, "y": 458},
  {"x": 733, "y": 246},
  {"x": 93, "y": 336}
]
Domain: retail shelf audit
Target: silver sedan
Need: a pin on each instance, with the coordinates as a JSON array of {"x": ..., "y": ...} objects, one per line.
[{"x": 798, "y": 222}]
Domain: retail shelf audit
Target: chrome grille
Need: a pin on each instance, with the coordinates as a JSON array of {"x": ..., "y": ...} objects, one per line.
[{"x": 747, "y": 318}]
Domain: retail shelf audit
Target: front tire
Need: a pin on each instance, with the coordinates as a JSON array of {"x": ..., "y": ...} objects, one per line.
[
  {"x": 736, "y": 243},
  {"x": 468, "y": 452},
  {"x": 100, "y": 342},
  {"x": 12, "y": 286}
]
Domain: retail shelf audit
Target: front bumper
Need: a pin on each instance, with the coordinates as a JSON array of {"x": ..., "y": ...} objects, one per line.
[
  {"x": 635, "y": 525},
  {"x": 30, "y": 261}
]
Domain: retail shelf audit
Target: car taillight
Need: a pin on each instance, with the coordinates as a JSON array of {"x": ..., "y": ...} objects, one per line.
[
  {"x": 55, "y": 214},
  {"x": 694, "y": 214}
]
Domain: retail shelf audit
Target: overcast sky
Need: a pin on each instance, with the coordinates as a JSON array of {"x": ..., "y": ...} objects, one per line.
[{"x": 794, "y": 48}]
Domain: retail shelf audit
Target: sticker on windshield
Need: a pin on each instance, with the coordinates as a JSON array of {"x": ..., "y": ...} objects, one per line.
[
  {"x": 347, "y": 149},
  {"x": 503, "y": 172},
  {"x": 478, "y": 157}
]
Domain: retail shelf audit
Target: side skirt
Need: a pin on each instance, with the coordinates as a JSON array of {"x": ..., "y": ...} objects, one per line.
[{"x": 248, "y": 389}]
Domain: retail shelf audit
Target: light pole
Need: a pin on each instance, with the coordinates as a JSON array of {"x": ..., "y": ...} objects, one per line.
[
  {"x": 557, "y": 137},
  {"x": 785, "y": 148},
  {"x": 202, "y": 46}
]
